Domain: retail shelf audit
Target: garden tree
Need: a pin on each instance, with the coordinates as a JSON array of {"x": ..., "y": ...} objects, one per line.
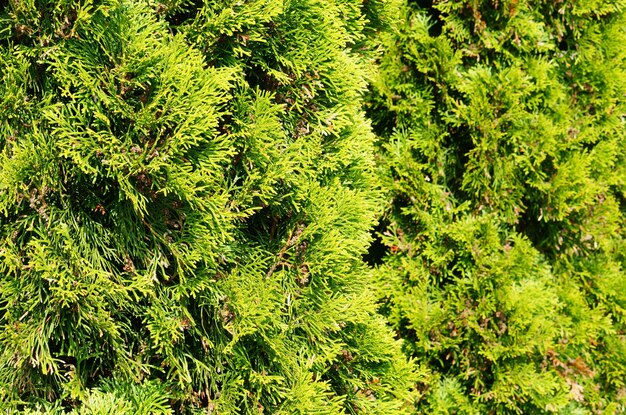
[
  {"x": 503, "y": 154},
  {"x": 186, "y": 193}
]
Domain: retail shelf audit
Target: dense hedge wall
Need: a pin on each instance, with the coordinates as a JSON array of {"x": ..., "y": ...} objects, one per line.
[
  {"x": 503, "y": 152},
  {"x": 186, "y": 191},
  {"x": 189, "y": 189}
]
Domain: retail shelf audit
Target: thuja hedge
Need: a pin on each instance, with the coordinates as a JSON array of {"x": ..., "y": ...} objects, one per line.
[
  {"x": 503, "y": 149},
  {"x": 187, "y": 190},
  {"x": 186, "y": 193}
]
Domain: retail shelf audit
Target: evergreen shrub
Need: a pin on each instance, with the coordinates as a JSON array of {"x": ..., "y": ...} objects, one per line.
[{"x": 186, "y": 192}]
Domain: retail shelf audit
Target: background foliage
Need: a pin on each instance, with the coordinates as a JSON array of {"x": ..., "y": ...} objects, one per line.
[{"x": 502, "y": 151}]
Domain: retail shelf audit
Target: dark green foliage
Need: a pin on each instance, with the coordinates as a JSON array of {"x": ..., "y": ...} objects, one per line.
[
  {"x": 186, "y": 191},
  {"x": 503, "y": 153}
]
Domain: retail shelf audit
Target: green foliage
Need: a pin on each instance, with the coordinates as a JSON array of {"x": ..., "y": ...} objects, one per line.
[
  {"x": 186, "y": 192},
  {"x": 502, "y": 153}
]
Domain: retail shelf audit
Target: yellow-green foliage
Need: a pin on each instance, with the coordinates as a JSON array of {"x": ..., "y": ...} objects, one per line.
[{"x": 186, "y": 193}]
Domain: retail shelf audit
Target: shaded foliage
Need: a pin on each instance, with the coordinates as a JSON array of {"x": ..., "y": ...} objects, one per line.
[{"x": 502, "y": 152}]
